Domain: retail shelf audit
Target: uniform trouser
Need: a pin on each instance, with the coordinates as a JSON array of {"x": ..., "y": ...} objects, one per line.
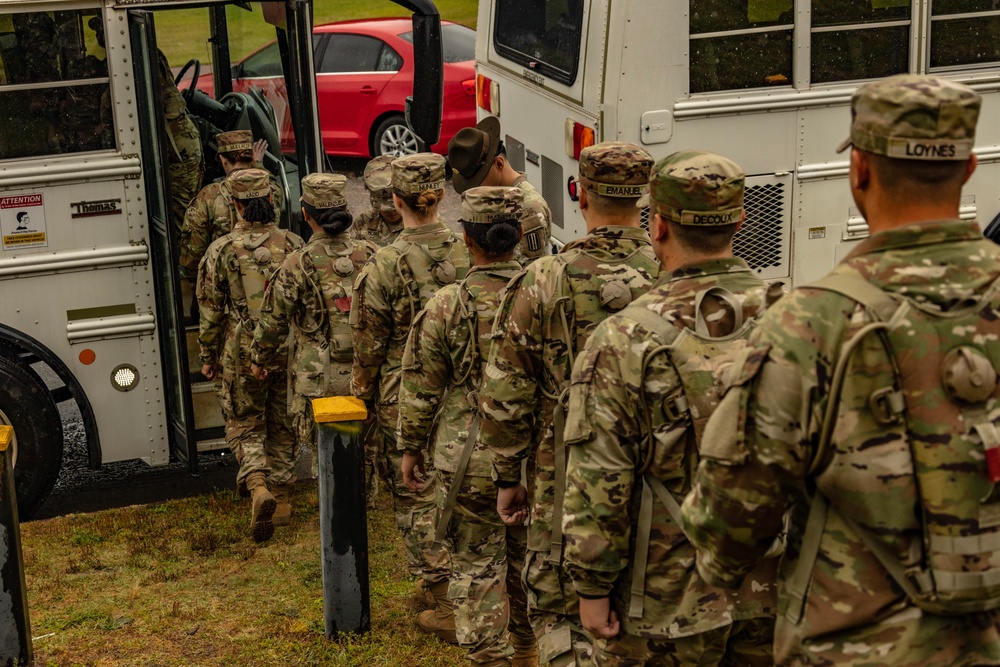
[
  {"x": 486, "y": 562},
  {"x": 185, "y": 166},
  {"x": 415, "y": 510},
  {"x": 554, "y": 611},
  {"x": 742, "y": 644},
  {"x": 258, "y": 427}
]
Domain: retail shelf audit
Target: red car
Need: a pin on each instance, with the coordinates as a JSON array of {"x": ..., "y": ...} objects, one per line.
[{"x": 364, "y": 74}]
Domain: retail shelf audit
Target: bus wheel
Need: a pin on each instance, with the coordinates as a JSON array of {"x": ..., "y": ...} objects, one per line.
[
  {"x": 393, "y": 137},
  {"x": 25, "y": 404}
]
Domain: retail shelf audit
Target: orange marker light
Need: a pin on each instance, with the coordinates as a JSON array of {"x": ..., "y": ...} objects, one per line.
[{"x": 87, "y": 357}]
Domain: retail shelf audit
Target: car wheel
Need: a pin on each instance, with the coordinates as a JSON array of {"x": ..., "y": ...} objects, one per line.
[
  {"x": 393, "y": 137},
  {"x": 36, "y": 450}
]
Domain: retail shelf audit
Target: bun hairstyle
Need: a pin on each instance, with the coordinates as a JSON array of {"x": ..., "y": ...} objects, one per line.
[
  {"x": 421, "y": 203},
  {"x": 331, "y": 220},
  {"x": 495, "y": 240},
  {"x": 258, "y": 211}
]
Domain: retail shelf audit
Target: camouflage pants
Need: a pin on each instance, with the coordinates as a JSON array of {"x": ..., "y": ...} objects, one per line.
[
  {"x": 258, "y": 428},
  {"x": 185, "y": 166},
  {"x": 415, "y": 510},
  {"x": 554, "y": 611},
  {"x": 339, "y": 384},
  {"x": 486, "y": 562},
  {"x": 742, "y": 644}
]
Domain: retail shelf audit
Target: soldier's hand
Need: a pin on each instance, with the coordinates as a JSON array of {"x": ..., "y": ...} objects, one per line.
[
  {"x": 598, "y": 618},
  {"x": 259, "y": 372},
  {"x": 413, "y": 470},
  {"x": 512, "y": 505},
  {"x": 210, "y": 371},
  {"x": 259, "y": 148}
]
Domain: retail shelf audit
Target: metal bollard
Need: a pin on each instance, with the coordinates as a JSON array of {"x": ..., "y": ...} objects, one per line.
[
  {"x": 342, "y": 514},
  {"x": 15, "y": 629}
]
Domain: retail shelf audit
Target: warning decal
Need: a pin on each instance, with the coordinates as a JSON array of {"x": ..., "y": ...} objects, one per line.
[{"x": 22, "y": 222}]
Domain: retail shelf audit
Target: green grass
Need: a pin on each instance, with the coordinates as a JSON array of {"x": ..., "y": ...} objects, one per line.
[
  {"x": 181, "y": 583},
  {"x": 183, "y": 34}
]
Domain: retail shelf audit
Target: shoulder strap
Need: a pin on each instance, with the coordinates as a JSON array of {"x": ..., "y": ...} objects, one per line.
[
  {"x": 651, "y": 486},
  {"x": 444, "y": 519},
  {"x": 854, "y": 287}
]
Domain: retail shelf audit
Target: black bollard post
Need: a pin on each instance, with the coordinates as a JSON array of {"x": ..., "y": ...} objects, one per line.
[
  {"x": 342, "y": 514},
  {"x": 15, "y": 629}
]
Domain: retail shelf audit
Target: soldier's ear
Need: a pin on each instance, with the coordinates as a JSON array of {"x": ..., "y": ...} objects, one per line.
[
  {"x": 658, "y": 228},
  {"x": 584, "y": 200}
]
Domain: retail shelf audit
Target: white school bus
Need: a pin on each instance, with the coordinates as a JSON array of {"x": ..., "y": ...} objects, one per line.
[
  {"x": 764, "y": 82},
  {"x": 89, "y": 283}
]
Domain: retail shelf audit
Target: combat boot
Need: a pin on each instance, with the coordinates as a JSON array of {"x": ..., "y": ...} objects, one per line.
[
  {"x": 439, "y": 621},
  {"x": 525, "y": 650},
  {"x": 423, "y": 595},
  {"x": 263, "y": 506},
  {"x": 283, "y": 512}
]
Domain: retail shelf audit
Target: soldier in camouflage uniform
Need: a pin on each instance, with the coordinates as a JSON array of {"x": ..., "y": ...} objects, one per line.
[
  {"x": 212, "y": 213},
  {"x": 311, "y": 294},
  {"x": 856, "y": 421},
  {"x": 545, "y": 317},
  {"x": 231, "y": 281},
  {"x": 625, "y": 551},
  {"x": 393, "y": 287},
  {"x": 184, "y": 156},
  {"x": 382, "y": 223},
  {"x": 442, "y": 372},
  {"x": 478, "y": 157}
]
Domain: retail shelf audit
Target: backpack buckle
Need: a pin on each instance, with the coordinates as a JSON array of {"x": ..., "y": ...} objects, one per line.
[
  {"x": 675, "y": 408},
  {"x": 887, "y": 405}
]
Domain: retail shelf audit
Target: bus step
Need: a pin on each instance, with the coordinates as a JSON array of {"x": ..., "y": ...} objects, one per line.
[
  {"x": 211, "y": 445},
  {"x": 205, "y": 400}
]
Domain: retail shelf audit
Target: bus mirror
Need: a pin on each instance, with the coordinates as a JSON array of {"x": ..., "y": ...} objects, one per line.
[
  {"x": 423, "y": 109},
  {"x": 274, "y": 13}
]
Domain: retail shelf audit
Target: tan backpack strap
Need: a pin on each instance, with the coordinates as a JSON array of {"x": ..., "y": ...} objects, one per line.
[
  {"x": 793, "y": 602},
  {"x": 854, "y": 287},
  {"x": 700, "y": 326},
  {"x": 559, "y": 482},
  {"x": 444, "y": 519},
  {"x": 651, "y": 486}
]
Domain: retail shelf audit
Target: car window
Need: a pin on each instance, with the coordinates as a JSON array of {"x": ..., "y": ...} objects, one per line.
[
  {"x": 458, "y": 42},
  {"x": 389, "y": 60},
  {"x": 266, "y": 62},
  {"x": 351, "y": 53}
]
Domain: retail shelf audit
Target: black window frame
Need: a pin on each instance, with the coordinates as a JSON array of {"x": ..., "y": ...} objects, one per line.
[{"x": 548, "y": 70}]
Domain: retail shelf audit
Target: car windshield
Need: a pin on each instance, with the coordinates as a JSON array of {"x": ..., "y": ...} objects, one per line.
[{"x": 459, "y": 42}]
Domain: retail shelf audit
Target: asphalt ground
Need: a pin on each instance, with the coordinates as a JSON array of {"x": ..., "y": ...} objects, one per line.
[{"x": 81, "y": 489}]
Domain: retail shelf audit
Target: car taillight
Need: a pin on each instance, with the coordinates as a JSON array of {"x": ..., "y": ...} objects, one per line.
[
  {"x": 470, "y": 87},
  {"x": 578, "y": 137},
  {"x": 488, "y": 94}
]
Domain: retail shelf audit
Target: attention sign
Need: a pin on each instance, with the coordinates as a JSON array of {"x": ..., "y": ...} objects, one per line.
[{"x": 22, "y": 222}]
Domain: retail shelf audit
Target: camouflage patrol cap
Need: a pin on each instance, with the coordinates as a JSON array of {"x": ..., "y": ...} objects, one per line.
[
  {"x": 249, "y": 183},
  {"x": 615, "y": 169},
  {"x": 324, "y": 190},
  {"x": 914, "y": 117},
  {"x": 696, "y": 188},
  {"x": 413, "y": 174},
  {"x": 487, "y": 205},
  {"x": 237, "y": 140},
  {"x": 378, "y": 181}
]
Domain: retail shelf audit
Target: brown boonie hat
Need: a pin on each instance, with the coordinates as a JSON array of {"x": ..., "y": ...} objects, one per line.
[
  {"x": 378, "y": 181},
  {"x": 615, "y": 169},
  {"x": 237, "y": 140},
  {"x": 487, "y": 205},
  {"x": 914, "y": 117},
  {"x": 324, "y": 190},
  {"x": 413, "y": 174},
  {"x": 471, "y": 153},
  {"x": 696, "y": 188},
  {"x": 249, "y": 183}
]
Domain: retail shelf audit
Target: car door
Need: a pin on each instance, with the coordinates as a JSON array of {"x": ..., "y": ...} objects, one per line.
[{"x": 351, "y": 75}]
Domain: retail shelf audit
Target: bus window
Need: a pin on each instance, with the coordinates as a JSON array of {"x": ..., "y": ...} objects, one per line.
[
  {"x": 544, "y": 35},
  {"x": 964, "y": 33},
  {"x": 54, "y": 87},
  {"x": 738, "y": 45},
  {"x": 859, "y": 39}
]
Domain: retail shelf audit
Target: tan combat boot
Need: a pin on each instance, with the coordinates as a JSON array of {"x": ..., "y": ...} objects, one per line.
[
  {"x": 439, "y": 621},
  {"x": 525, "y": 650},
  {"x": 263, "y": 506},
  {"x": 283, "y": 512},
  {"x": 423, "y": 595}
]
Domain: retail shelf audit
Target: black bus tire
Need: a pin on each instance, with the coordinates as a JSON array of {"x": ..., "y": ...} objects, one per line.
[{"x": 36, "y": 450}]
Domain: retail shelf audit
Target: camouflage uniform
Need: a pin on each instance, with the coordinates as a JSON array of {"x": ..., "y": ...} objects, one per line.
[
  {"x": 312, "y": 291},
  {"x": 546, "y": 315},
  {"x": 624, "y": 373},
  {"x": 371, "y": 225},
  {"x": 212, "y": 213},
  {"x": 231, "y": 279},
  {"x": 184, "y": 157},
  {"x": 442, "y": 371},
  {"x": 388, "y": 294},
  {"x": 472, "y": 153},
  {"x": 847, "y": 609}
]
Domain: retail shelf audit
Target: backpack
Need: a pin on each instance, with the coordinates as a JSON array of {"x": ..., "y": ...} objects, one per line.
[
  {"x": 254, "y": 261},
  {"x": 944, "y": 402},
  {"x": 700, "y": 361},
  {"x": 426, "y": 269}
]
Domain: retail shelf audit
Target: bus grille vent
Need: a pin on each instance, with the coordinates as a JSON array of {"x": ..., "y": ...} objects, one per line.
[
  {"x": 552, "y": 189},
  {"x": 763, "y": 240},
  {"x": 515, "y": 152}
]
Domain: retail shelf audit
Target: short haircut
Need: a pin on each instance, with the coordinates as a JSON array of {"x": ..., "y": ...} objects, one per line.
[
  {"x": 917, "y": 179},
  {"x": 702, "y": 239},
  {"x": 619, "y": 206}
]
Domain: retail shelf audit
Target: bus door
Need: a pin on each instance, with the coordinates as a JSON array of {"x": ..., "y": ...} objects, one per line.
[{"x": 165, "y": 249}]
